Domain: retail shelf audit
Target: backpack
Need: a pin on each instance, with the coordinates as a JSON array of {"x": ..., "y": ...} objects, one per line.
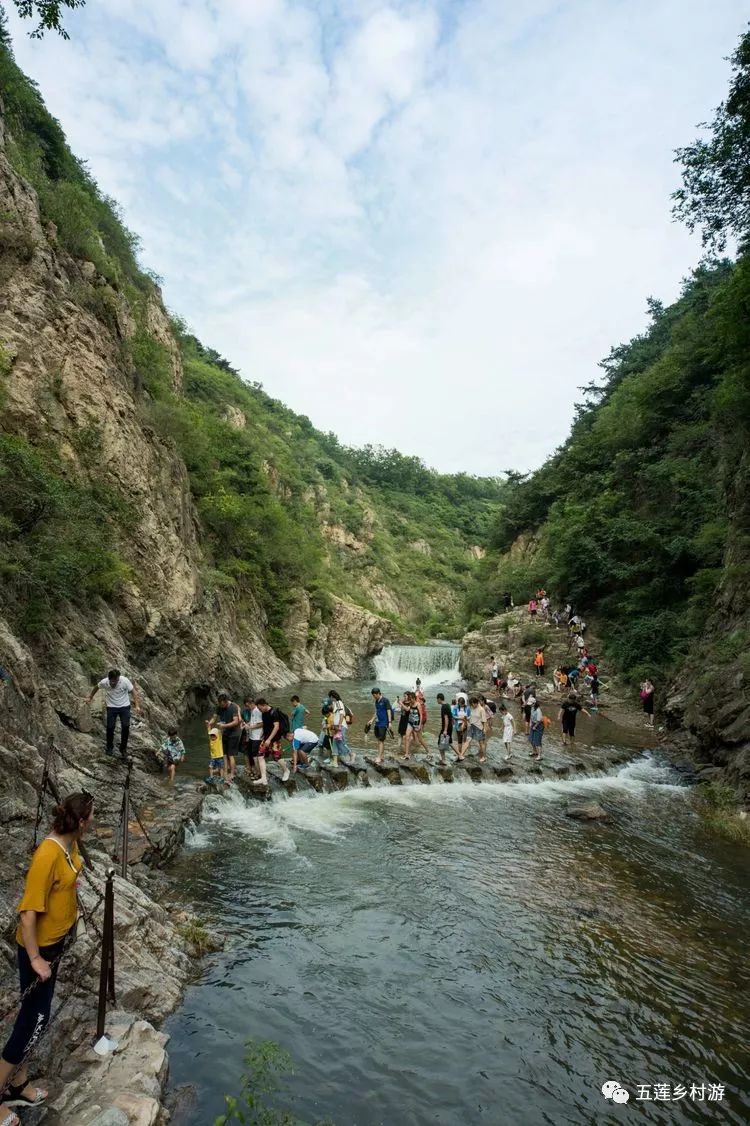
[{"x": 283, "y": 721}]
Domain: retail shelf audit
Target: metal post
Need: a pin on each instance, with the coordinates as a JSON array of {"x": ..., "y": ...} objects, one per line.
[
  {"x": 125, "y": 823},
  {"x": 107, "y": 966}
]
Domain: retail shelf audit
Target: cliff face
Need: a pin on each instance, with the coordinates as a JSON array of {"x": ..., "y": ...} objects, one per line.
[
  {"x": 708, "y": 704},
  {"x": 72, "y": 385}
]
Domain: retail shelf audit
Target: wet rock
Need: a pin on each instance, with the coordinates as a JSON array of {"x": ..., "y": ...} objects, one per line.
[
  {"x": 417, "y": 770},
  {"x": 445, "y": 772},
  {"x": 339, "y": 776},
  {"x": 562, "y": 770},
  {"x": 388, "y": 769},
  {"x": 314, "y": 779},
  {"x": 590, "y": 811},
  {"x": 504, "y": 773},
  {"x": 472, "y": 768}
]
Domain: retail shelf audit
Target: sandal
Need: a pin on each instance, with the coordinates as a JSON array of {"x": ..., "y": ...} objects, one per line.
[
  {"x": 17, "y": 1097},
  {"x": 10, "y": 1118}
]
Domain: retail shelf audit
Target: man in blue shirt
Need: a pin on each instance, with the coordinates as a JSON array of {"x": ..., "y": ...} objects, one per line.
[{"x": 381, "y": 720}]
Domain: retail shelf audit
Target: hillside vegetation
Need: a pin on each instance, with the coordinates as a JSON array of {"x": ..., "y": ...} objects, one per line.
[
  {"x": 282, "y": 506},
  {"x": 642, "y": 517}
]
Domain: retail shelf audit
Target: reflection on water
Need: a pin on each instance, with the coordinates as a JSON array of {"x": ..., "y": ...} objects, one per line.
[{"x": 467, "y": 954}]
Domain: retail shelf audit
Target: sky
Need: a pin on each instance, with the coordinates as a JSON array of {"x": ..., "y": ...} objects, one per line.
[{"x": 420, "y": 223}]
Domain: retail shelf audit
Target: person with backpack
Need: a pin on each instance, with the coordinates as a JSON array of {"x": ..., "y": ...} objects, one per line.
[{"x": 275, "y": 727}]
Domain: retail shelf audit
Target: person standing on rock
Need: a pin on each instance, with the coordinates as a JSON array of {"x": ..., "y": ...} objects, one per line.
[
  {"x": 414, "y": 725},
  {"x": 509, "y": 730},
  {"x": 460, "y": 713},
  {"x": 252, "y": 725},
  {"x": 477, "y": 727},
  {"x": 117, "y": 692},
  {"x": 381, "y": 720},
  {"x": 539, "y": 662},
  {"x": 275, "y": 726},
  {"x": 647, "y": 699},
  {"x": 533, "y": 606},
  {"x": 299, "y": 714},
  {"x": 172, "y": 751},
  {"x": 569, "y": 710},
  {"x": 536, "y": 731},
  {"x": 421, "y": 704},
  {"x": 507, "y": 600},
  {"x": 229, "y": 722},
  {"x": 445, "y": 738},
  {"x": 528, "y": 701},
  {"x": 494, "y": 672},
  {"x": 47, "y": 917}
]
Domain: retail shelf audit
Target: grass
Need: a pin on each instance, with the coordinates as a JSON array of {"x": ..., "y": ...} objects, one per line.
[{"x": 716, "y": 804}]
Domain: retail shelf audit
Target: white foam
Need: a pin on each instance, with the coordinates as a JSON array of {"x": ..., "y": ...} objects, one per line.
[{"x": 278, "y": 823}]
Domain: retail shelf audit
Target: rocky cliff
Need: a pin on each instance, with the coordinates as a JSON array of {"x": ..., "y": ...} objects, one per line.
[{"x": 71, "y": 384}]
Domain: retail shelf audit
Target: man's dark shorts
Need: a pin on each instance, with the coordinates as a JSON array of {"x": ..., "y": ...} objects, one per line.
[{"x": 380, "y": 733}]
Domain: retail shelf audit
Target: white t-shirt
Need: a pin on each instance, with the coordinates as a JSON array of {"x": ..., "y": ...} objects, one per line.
[
  {"x": 507, "y": 728},
  {"x": 304, "y": 735},
  {"x": 119, "y": 696},
  {"x": 580, "y": 642},
  {"x": 255, "y": 734},
  {"x": 339, "y": 713}
]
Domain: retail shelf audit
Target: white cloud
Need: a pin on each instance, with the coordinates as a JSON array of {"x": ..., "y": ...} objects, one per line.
[{"x": 401, "y": 215}]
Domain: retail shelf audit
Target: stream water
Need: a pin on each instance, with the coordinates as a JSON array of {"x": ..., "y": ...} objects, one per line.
[{"x": 465, "y": 953}]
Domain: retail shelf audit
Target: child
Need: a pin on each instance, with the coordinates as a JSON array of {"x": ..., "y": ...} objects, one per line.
[
  {"x": 216, "y": 765},
  {"x": 173, "y": 751},
  {"x": 539, "y": 662}
]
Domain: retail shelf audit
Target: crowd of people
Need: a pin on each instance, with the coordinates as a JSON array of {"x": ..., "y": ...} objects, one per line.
[{"x": 259, "y": 731}]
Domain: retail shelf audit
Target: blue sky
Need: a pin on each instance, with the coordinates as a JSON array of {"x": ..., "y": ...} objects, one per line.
[{"x": 420, "y": 223}]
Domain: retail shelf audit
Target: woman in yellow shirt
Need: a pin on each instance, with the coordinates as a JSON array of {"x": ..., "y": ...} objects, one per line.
[{"x": 47, "y": 913}]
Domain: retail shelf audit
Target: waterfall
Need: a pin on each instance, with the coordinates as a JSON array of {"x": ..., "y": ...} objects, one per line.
[{"x": 400, "y": 665}]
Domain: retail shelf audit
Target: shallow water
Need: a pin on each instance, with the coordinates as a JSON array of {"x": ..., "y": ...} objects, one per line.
[{"x": 466, "y": 954}]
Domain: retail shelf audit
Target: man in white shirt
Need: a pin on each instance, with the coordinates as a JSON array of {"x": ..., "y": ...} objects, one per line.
[
  {"x": 304, "y": 744},
  {"x": 117, "y": 692}
]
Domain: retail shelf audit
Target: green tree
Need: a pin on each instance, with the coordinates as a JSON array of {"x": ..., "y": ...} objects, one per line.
[
  {"x": 50, "y": 14},
  {"x": 715, "y": 192}
]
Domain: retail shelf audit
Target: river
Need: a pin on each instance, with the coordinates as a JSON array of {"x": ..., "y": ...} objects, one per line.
[{"x": 465, "y": 953}]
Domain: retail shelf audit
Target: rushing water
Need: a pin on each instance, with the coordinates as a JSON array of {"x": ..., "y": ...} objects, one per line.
[
  {"x": 466, "y": 954},
  {"x": 399, "y": 665}
]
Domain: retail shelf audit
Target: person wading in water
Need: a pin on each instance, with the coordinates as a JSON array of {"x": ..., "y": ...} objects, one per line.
[{"x": 47, "y": 916}]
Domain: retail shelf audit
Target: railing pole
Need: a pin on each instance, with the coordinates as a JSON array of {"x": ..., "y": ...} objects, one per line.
[
  {"x": 125, "y": 822},
  {"x": 107, "y": 966}
]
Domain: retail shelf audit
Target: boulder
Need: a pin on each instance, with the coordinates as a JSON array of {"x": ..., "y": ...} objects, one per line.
[{"x": 590, "y": 811}]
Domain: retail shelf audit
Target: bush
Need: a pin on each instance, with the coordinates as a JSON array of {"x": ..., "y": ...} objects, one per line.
[{"x": 58, "y": 538}]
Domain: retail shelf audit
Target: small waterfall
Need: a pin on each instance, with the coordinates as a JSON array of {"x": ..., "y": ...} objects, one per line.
[{"x": 433, "y": 664}]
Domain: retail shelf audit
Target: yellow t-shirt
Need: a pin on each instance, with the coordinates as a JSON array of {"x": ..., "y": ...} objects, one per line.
[
  {"x": 216, "y": 746},
  {"x": 51, "y": 892}
]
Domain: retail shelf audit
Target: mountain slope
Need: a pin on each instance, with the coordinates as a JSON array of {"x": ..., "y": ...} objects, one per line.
[{"x": 158, "y": 512}]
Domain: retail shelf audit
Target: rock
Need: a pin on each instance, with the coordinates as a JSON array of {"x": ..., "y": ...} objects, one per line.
[
  {"x": 445, "y": 772},
  {"x": 504, "y": 773},
  {"x": 591, "y": 811},
  {"x": 113, "y": 1116},
  {"x": 417, "y": 770}
]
